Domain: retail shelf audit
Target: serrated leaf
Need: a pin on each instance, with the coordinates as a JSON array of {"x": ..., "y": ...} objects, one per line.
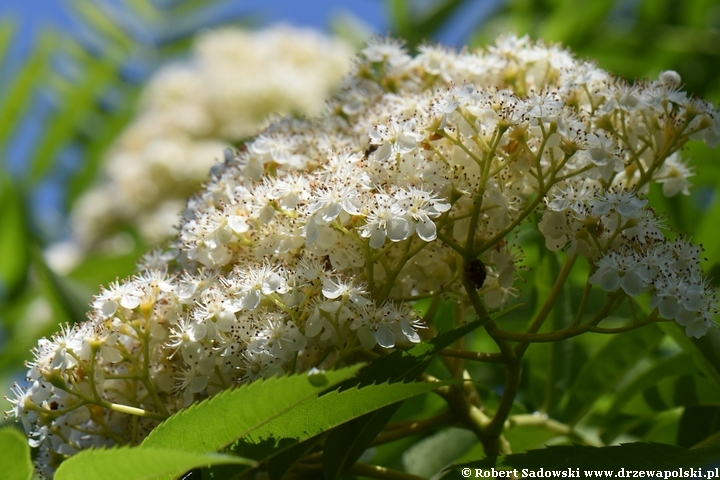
[
  {"x": 630, "y": 456},
  {"x": 218, "y": 421},
  {"x": 348, "y": 441},
  {"x": 15, "y": 454},
  {"x": 134, "y": 463},
  {"x": 317, "y": 415},
  {"x": 604, "y": 369}
]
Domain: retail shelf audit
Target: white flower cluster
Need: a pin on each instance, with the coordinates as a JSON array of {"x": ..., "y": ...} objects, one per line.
[
  {"x": 624, "y": 238},
  {"x": 307, "y": 247},
  {"x": 190, "y": 111}
]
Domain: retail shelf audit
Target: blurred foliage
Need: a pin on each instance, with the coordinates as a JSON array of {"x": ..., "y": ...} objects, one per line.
[
  {"x": 653, "y": 385},
  {"x": 71, "y": 95}
]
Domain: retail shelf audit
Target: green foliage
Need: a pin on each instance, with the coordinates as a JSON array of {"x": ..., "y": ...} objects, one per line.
[
  {"x": 217, "y": 422},
  {"x": 606, "y": 368},
  {"x": 317, "y": 415},
  {"x": 550, "y": 363},
  {"x": 16, "y": 455},
  {"x": 632, "y": 39},
  {"x": 139, "y": 463},
  {"x": 12, "y": 236},
  {"x": 431, "y": 455},
  {"x": 416, "y": 25}
]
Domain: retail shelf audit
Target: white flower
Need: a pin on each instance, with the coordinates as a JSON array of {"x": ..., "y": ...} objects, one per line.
[
  {"x": 126, "y": 295},
  {"x": 335, "y": 288},
  {"x": 280, "y": 338},
  {"x": 374, "y": 328},
  {"x": 385, "y": 49},
  {"x": 602, "y": 152},
  {"x": 619, "y": 270},
  {"x": 397, "y": 137},
  {"x": 624, "y": 202},
  {"x": 385, "y": 220},
  {"x": 673, "y": 175},
  {"x": 545, "y": 106},
  {"x": 420, "y": 206}
]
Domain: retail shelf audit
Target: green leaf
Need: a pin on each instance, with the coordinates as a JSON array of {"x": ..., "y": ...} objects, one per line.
[
  {"x": 630, "y": 456},
  {"x": 98, "y": 15},
  {"x": 525, "y": 437},
  {"x": 71, "y": 297},
  {"x": 79, "y": 101},
  {"x": 97, "y": 268},
  {"x": 218, "y": 421},
  {"x": 15, "y": 454},
  {"x": 13, "y": 236},
  {"x": 317, "y": 415},
  {"x": 7, "y": 32},
  {"x": 436, "y": 17},
  {"x": 557, "y": 28},
  {"x": 346, "y": 443},
  {"x": 704, "y": 352},
  {"x": 134, "y": 463},
  {"x": 16, "y": 97},
  {"x": 669, "y": 367},
  {"x": 430, "y": 455},
  {"x": 399, "y": 14},
  {"x": 95, "y": 151},
  {"x": 603, "y": 370},
  {"x": 286, "y": 459},
  {"x": 415, "y": 24}
]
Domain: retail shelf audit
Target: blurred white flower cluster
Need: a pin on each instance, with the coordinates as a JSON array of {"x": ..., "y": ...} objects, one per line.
[
  {"x": 308, "y": 247},
  {"x": 192, "y": 110}
]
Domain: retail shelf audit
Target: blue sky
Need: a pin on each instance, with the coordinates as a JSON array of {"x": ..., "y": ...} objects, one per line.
[{"x": 35, "y": 15}]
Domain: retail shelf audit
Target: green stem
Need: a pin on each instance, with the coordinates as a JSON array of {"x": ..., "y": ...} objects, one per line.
[
  {"x": 376, "y": 471},
  {"x": 513, "y": 372},
  {"x": 521, "y": 348},
  {"x": 474, "y": 356},
  {"x": 406, "y": 429}
]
